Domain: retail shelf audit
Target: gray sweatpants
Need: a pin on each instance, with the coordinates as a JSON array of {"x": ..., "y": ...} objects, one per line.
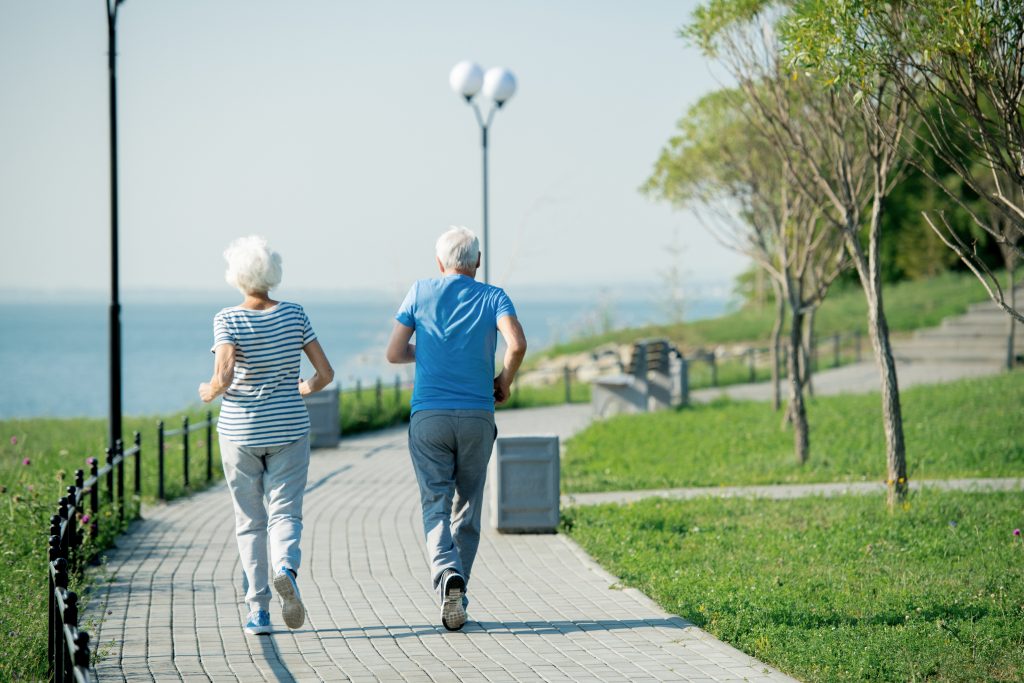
[
  {"x": 450, "y": 450},
  {"x": 266, "y": 485}
]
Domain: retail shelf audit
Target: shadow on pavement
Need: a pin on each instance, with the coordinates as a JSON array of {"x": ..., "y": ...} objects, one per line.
[{"x": 519, "y": 628}]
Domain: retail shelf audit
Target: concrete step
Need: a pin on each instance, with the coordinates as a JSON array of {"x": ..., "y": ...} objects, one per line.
[
  {"x": 962, "y": 333},
  {"x": 989, "y": 307},
  {"x": 986, "y": 322},
  {"x": 959, "y": 359}
]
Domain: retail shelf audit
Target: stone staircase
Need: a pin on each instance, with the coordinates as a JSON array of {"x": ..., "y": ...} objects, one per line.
[{"x": 978, "y": 336}]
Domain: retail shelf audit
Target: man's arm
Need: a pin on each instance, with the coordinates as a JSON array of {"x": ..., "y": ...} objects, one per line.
[
  {"x": 515, "y": 342},
  {"x": 399, "y": 349}
]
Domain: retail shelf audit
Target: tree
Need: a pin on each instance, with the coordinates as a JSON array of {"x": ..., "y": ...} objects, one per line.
[
  {"x": 837, "y": 143},
  {"x": 965, "y": 62},
  {"x": 723, "y": 168}
]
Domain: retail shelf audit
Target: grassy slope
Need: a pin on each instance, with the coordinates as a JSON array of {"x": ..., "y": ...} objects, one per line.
[
  {"x": 908, "y": 305},
  {"x": 964, "y": 429},
  {"x": 55, "y": 448},
  {"x": 833, "y": 589}
]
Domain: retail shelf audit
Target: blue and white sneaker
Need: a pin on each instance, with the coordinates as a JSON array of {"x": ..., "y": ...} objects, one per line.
[
  {"x": 292, "y": 609},
  {"x": 258, "y": 623}
]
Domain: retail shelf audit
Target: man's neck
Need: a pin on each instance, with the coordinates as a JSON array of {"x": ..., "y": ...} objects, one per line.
[{"x": 456, "y": 271}]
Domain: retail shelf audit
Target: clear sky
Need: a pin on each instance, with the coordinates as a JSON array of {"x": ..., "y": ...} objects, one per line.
[{"x": 329, "y": 127}]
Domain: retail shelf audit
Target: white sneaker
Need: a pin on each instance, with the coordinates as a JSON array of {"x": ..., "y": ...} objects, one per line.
[
  {"x": 453, "y": 612},
  {"x": 292, "y": 609}
]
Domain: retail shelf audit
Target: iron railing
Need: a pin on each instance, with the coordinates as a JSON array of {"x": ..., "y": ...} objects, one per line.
[{"x": 78, "y": 517}]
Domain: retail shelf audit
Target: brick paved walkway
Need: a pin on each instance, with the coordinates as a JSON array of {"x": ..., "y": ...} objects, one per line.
[{"x": 541, "y": 609}]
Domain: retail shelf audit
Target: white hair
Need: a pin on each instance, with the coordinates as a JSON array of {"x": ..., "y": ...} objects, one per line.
[
  {"x": 252, "y": 267},
  {"x": 458, "y": 249}
]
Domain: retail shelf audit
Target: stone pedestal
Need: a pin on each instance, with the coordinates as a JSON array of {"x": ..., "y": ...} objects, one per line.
[{"x": 324, "y": 418}]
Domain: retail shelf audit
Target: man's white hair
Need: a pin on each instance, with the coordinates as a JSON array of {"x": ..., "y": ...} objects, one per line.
[
  {"x": 252, "y": 267},
  {"x": 458, "y": 249}
]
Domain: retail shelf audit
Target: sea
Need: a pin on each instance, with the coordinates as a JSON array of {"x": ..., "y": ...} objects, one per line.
[{"x": 54, "y": 352}]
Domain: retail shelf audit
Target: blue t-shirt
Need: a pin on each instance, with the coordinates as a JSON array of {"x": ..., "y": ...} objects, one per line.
[{"x": 456, "y": 323}]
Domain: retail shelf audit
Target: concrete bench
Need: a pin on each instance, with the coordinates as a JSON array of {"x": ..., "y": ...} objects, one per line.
[{"x": 653, "y": 381}]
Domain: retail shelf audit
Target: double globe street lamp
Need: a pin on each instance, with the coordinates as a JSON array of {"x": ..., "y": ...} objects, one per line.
[{"x": 498, "y": 85}]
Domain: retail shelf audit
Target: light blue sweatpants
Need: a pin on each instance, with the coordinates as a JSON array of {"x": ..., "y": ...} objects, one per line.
[
  {"x": 266, "y": 485},
  {"x": 450, "y": 450}
]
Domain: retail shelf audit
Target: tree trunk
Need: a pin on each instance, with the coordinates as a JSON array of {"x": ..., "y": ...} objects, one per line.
[
  {"x": 1011, "y": 340},
  {"x": 797, "y": 411},
  {"x": 780, "y": 319},
  {"x": 808, "y": 378},
  {"x": 869, "y": 272}
]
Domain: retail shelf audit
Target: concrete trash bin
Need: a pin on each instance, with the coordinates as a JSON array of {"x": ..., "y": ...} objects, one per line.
[
  {"x": 324, "y": 418},
  {"x": 524, "y": 474}
]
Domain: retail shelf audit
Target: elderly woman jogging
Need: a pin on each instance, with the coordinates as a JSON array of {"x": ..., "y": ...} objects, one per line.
[{"x": 264, "y": 426}]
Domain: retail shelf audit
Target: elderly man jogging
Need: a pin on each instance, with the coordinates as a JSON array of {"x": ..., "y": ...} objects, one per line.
[{"x": 456, "y": 320}]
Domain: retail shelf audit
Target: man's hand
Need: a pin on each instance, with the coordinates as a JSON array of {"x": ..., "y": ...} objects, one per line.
[
  {"x": 502, "y": 389},
  {"x": 206, "y": 392}
]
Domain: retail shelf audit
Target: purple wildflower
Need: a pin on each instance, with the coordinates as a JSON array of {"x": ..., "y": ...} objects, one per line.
[
  {"x": 85, "y": 519},
  {"x": 90, "y": 461},
  {"x": 1016, "y": 532},
  {"x": 14, "y": 441},
  {"x": 26, "y": 462}
]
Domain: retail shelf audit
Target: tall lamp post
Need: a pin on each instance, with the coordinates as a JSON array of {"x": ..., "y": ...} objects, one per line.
[
  {"x": 115, "y": 304},
  {"x": 498, "y": 85}
]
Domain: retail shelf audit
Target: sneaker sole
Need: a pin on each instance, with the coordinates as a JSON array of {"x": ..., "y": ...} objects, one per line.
[
  {"x": 292, "y": 609},
  {"x": 453, "y": 614},
  {"x": 258, "y": 630}
]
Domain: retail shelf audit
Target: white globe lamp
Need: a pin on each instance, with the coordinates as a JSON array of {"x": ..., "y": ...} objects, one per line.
[
  {"x": 499, "y": 84},
  {"x": 466, "y": 79}
]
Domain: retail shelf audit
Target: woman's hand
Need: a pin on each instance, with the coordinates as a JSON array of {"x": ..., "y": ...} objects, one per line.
[
  {"x": 304, "y": 388},
  {"x": 206, "y": 392}
]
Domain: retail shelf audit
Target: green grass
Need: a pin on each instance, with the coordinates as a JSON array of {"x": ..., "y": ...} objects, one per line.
[
  {"x": 908, "y": 306},
  {"x": 969, "y": 428},
  {"x": 833, "y": 589},
  {"x": 55, "y": 448},
  {"x": 361, "y": 412}
]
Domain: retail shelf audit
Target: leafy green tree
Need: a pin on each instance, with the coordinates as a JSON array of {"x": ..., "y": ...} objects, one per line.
[
  {"x": 964, "y": 61},
  {"x": 838, "y": 143},
  {"x": 723, "y": 168}
]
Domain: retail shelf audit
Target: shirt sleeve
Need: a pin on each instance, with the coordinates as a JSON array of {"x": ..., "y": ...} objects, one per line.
[
  {"x": 221, "y": 333},
  {"x": 407, "y": 311},
  {"x": 503, "y": 306},
  {"x": 308, "y": 334}
]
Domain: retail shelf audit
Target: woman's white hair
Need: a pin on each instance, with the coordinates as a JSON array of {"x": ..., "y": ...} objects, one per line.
[
  {"x": 252, "y": 267},
  {"x": 458, "y": 249}
]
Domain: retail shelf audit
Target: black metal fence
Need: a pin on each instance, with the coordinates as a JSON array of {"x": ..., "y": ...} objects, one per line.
[
  {"x": 75, "y": 530},
  {"x": 835, "y": 346}
]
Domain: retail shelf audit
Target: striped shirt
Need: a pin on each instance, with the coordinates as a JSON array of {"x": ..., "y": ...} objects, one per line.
[{"x": 262, "y": 407}]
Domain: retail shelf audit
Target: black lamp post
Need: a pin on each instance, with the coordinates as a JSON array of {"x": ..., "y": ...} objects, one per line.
[
  {"x": 498, "y": 85},
  {"x": 115, "y": 304}
]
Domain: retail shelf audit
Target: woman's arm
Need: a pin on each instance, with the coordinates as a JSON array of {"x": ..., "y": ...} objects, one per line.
[
  {"x": 323, "y": 372},
  {"x": 399, "y": 349},
  {"x": 223, "y": 373}
]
